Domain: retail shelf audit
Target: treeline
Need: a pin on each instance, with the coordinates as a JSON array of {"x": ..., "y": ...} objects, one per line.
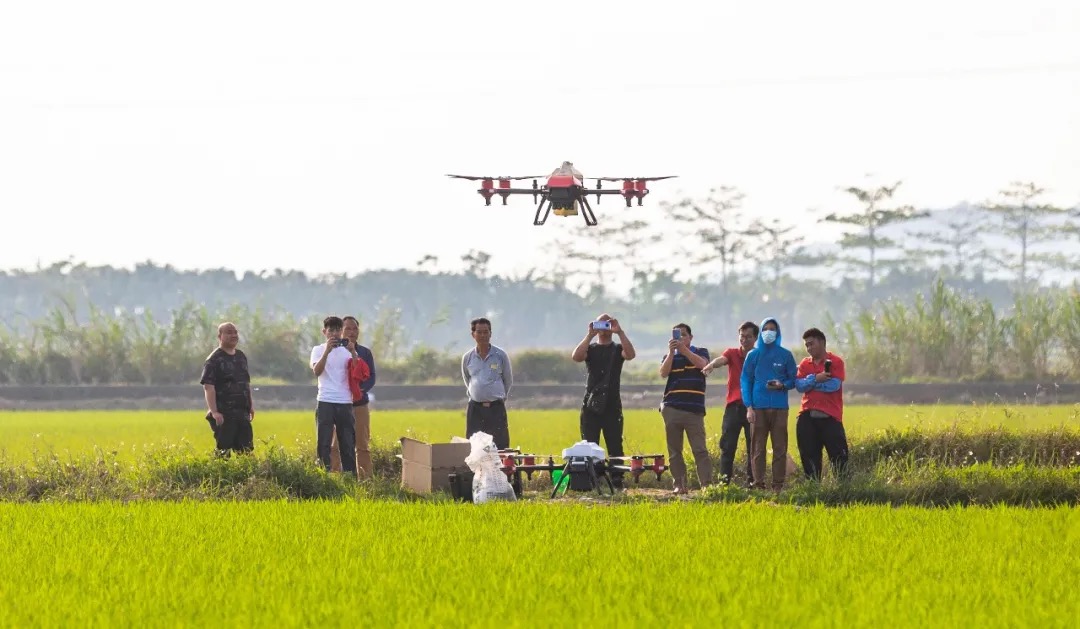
[{"x": 941, "y": 335}]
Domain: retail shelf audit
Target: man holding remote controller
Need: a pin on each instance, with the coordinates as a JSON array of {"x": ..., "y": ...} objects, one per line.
[
  {"x": 334, "y": 411},
  {"x": 821, "y": 379}
]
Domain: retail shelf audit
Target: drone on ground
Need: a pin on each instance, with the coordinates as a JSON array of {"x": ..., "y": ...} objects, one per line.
[
  {"x": 564, "y": 193},
  {"x": 578, "y": 473}
]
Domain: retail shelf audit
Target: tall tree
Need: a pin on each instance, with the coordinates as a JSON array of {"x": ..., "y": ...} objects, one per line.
[
  {"x": 777, "y": 249},
  {"x": 718, "y": 224},
  {"x": 1026, "y": 222},
  {"x": 870, "y": 221},
  {"x": 955, "y": 245},
  {"x": 596, "y": 252},
  {"x": 476, "y": 263}
]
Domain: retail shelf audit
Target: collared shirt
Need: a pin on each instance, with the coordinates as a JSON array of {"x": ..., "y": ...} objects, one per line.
[
  {"x": 685, "y": 389},
  {"x": 487, "y": 379}
]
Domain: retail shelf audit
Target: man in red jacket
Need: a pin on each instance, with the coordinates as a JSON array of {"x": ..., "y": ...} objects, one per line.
[{"x": 820, "y": 379}]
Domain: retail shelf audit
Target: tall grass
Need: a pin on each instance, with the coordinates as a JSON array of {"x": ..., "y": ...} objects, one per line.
[
  {"x": 943, "y": 335},
  {"x": 930, "y": 468},
  {"x": 946, "y": 335}
]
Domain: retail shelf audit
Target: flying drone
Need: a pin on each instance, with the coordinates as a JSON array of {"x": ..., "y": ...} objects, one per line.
[{"x": 564, "y": 192}]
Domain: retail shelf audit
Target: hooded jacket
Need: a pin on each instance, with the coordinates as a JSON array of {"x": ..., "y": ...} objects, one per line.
[{"x": 768, "y": 362}]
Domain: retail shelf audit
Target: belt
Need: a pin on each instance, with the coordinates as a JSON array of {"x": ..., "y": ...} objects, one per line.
[{"x": 487, "y": 404}]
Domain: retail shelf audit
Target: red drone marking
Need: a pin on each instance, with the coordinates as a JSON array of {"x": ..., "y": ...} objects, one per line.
[{"x": 564, "y": 191}]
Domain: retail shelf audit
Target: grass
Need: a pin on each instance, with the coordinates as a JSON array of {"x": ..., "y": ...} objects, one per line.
[
  {"x": 284, "y": 564},
  {"x": 130, "y": 433}
]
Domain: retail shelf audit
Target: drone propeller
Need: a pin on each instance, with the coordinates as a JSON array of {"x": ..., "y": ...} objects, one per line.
[
  {"x": 633, "y": 178},
  {"x": 472, "y": 178}
]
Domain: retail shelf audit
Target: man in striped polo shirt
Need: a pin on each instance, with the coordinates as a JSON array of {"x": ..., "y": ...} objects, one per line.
[{"x": 683, "y": 408}]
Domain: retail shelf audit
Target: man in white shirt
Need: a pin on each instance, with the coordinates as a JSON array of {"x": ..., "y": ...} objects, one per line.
[{"x": 330, "y": 362}]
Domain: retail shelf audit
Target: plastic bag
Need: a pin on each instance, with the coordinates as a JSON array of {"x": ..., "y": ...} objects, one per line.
[{"x": 489, "y": 481}]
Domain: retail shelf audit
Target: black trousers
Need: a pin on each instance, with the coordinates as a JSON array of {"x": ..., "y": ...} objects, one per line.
[
  {"x": 490, "y": 419},
  {"x": 813, "y": 434},
  {"x": 611, "y": 424},
  {"x": 734, "y": 423},
  {"x": 331, "y": 417},
  {"x": 234, "y": 433}
]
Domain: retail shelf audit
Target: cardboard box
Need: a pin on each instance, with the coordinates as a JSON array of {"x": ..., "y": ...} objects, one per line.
[{"x": 426, "y": 467}]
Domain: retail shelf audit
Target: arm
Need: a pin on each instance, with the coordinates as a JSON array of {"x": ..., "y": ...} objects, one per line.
[
  {"x": 251, "y": 402},
  {"x": 582, "y": 349},
  {"x": 210, "y": 394},
  {"x": 628, "y": 351},
  {"x": 507, "y": 374},
  {"x": 465, "y": 369},
  {"x": 696, "y": 360},
  {"x": 746, "y": 381},
  {"x": 832, "y": 385},
  {"x": 803, "y": 381},
  {"x": 319, "y": 366},
  {"x": 719, "y": 361},
  {"x": 369, "y": 358},
  {"x": 790, "y": 371},
  {"x": 665, "y": 365},
  {"x": 210, "y": 391}
]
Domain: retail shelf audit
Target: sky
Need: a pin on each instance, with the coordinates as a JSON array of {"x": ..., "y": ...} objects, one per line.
[{"x": 262, "y": 135}]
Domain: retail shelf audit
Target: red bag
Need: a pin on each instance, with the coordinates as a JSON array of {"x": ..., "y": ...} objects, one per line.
[{"x": 359, "y": 372}]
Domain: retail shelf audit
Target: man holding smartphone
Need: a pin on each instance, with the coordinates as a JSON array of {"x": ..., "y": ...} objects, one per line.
[
  {"x": 683, "y": 408},
  {"x": 767, "y": 376},
  {"x": 334, "y": 409},
  {"x": 820, "y": 425},
  {"x": 601, "y": 408}
]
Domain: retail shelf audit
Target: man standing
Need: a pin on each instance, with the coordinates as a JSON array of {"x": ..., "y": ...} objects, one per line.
[
  {"x": 361, "y": 410},
  {"x": 683, "y": 408},
  {"x": 767, "y": 375},
  {"x": 601, "y": 409},
  {"x": 735, "y": 412},
  {"x": 820, "y": 379},
  {"x": 488, "y": 377},
  {"x": 330, "y": 363},
  {"x": 227, "y": 389}
]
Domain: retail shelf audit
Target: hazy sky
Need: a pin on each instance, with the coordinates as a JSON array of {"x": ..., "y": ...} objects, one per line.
[{"x": 249, "y": 135}]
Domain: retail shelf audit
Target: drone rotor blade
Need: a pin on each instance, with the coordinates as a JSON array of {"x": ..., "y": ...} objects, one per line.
[
  {"x": 470, "y": 177},
  {"x": 634, "y": 178}
]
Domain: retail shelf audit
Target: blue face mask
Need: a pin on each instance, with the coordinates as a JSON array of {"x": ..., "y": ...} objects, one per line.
[{"x": 768, "y": 336}]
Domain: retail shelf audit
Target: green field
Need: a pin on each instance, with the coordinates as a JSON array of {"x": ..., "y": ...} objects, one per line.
[
  {"x": 543, "y": 432},
  {"x": 451, "y": 565},
  {"x": 173, "y": 536}
]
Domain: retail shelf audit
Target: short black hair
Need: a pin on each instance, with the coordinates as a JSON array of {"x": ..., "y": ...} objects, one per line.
[
  {"x": 750, "y": 325},
  {"x": 815, "y": 334},
  {"x": 332, "y": 322},
  {"x": 685, "y": 327},
  {"x": 477, "y": 321},
  {"x": 350, "y": 318}
]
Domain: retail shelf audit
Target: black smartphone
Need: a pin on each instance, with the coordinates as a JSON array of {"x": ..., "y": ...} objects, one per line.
[
  {"x": 828, "y": 366},
  {"x": 343, "y": 342}
]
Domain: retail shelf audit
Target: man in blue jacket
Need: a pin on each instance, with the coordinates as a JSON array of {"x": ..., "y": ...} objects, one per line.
[{"x": 767, "y": 376}]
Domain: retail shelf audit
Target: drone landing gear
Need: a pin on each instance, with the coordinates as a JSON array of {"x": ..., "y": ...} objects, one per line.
[
  {"x": 587, "y": 213},
  {"x": 582, "y": 475}
]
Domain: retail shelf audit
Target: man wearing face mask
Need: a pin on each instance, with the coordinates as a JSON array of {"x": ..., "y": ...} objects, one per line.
[{"x": 768, "y": 374}]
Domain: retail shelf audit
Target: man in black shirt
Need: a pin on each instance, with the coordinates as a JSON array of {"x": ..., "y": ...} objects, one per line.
[
  {"x": 227, "y": 389},
  {"x": 601, "y": 409}
]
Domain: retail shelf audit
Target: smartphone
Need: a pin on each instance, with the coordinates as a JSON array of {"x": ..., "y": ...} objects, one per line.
[
  {"x": 828, "y": 366},
  {"x": 343, "y": 342},
  {"x": 601, "y": 325},
  {"x": 676, "y": 333}
]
